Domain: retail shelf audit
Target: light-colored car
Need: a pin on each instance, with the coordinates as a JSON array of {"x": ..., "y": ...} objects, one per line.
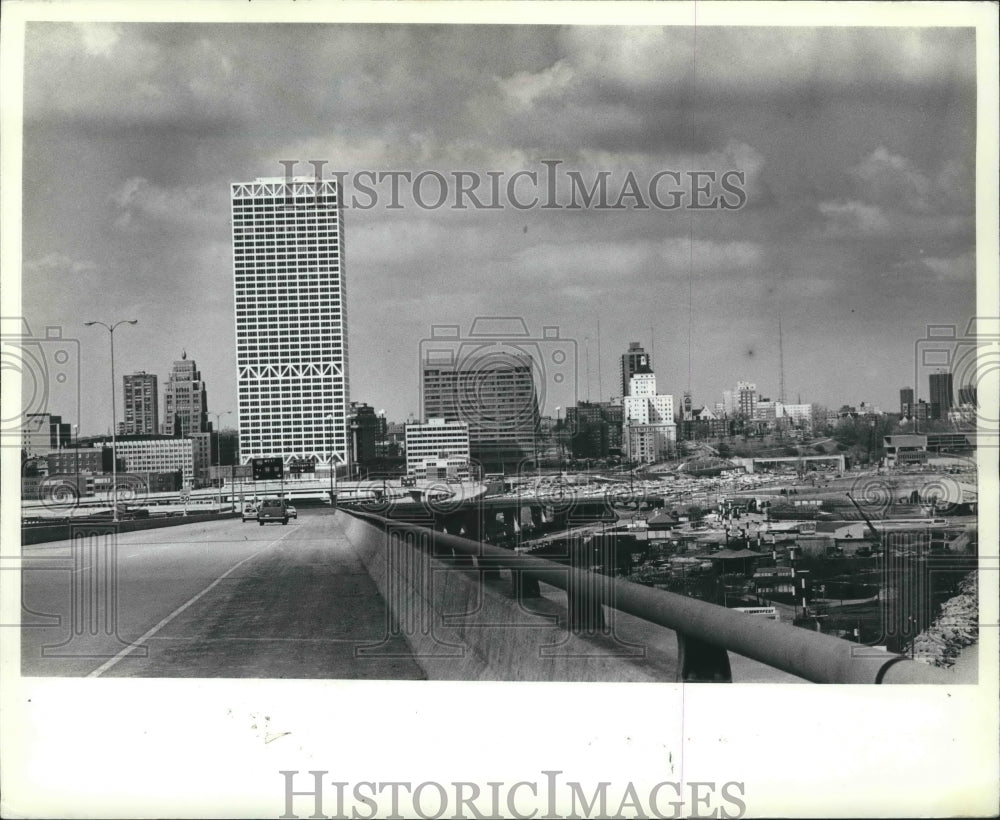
[
  {"x": 292, "y": 512},
  {"x": 249, "y": 513}
]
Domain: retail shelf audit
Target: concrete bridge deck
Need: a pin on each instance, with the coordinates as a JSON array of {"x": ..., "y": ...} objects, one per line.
[
  {"x": 337, "y": 596},
  {"x": 219, "y": 599},
  {"x": 227, "y": 599}
]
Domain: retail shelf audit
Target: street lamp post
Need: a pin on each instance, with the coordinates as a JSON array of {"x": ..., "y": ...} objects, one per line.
[
  {"x": 558, "y": 441},
  {"x": 218, "y": 447},
  {"x": 329, "y": 447},
  {"x": 353, "y": 463},
  {"x": 114, "y": 414},
  {"x": 76, "y": 463},
  {"x": 381, "y": 446}
]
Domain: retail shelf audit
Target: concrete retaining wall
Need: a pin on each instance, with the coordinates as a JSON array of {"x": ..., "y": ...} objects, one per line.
[
  {"x": 63, "y": 531},
  {"x": 461, "y": 629}
]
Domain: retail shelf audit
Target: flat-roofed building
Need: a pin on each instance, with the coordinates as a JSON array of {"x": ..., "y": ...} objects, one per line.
[
  {"x": 941, "y": 394},
  {"x": 142, "y": 405},
  {"x": 291, "y": 320},
  {"x": 495, "y": 397},
  {"x": 435, "y": 441},
  {"x": 159, "y": 454}
]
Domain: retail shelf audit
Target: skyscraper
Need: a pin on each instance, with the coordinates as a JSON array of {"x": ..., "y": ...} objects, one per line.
[
  {"x": 746, "y": 399},
  {"x": 185, "y": 401},
  {"x": 630, "y": 361},
  {"x": 291, "y": 319},
  {"x": 941, "y": 394},
  {"x": 142, "y": 405},
  {"x": 649, "y": 430},
  {"x": 906, "y": 402}
]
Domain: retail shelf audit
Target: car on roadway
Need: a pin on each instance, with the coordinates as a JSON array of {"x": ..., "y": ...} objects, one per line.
[
  {"x": 273, "y": 510},
  {"x": 249, "y": 513},
  {"x": 292, "y": 512},
  {"x": 125, "y": 513}
]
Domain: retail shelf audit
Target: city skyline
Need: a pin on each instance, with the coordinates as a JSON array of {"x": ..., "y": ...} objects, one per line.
[
  {"x": 687, "y": 176},
  {"x": 857, "y": 229}
]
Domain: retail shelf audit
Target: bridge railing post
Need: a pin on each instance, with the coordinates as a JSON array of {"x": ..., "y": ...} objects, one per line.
[
  {"x": 700, "y": 662},
  {"x": 586, "y": 591},
  {"x": 524, "y": 585},
  {"x": 489, "y": 567}
]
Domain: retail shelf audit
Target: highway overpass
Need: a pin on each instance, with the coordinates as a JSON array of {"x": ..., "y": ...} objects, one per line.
[
  {"x": 751, "y": 464},
  {"x": 333, "y": 596}
]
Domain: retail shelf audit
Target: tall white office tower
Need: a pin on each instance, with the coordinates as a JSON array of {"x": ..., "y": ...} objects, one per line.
[{"x": 291, "y": 320}]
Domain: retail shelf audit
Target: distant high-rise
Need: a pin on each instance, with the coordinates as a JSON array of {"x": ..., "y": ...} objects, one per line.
[
  {"x": 649, "y": 430},
  {"x": 746, "y": 399},
  {"x": 496, "y": 397},
  {"x": 366, "y": 432},
  {"x": 630, "y": 361},
  {"x": 291, "y": 319},
  {"x": 185, "y": 400},
  {"x": 142, "y": 405},
  {"x": 906, "y": 402},
  {"x": 941, "y": 394}
]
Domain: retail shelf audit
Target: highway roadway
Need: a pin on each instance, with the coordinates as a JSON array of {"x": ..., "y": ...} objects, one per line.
[
  {"x": 224, "y": 599},
  {"x": 228, "y": 599}
]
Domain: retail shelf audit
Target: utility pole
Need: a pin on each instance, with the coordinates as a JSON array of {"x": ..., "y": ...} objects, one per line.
[{"x": 781, "y": 364}]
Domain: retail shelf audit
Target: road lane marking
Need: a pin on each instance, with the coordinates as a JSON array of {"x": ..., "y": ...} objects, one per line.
[{"x": 104, "y": 667}]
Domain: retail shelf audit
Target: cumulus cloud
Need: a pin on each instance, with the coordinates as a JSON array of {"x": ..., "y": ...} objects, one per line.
[
  {"x": 953, "y": 270},
  {"x": 852, "y": 216},
  {"x": 57, "y": 262},
  {"x": 140, "y": 203},
  {"x": 888, "y": 179},
  {"x": 857, "y": 145},
  {"x": 524, "y": 88},
  {"x": 99, "y": 39}
]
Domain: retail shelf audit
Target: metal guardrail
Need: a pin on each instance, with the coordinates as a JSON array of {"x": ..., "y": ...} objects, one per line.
[{"x": 706, "y": 632}]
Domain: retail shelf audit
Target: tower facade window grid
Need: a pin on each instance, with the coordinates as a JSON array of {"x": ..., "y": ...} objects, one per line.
[
  {"x": 497, "y": 400},
  {"x": 185, "y": 400},
  {"x": 648, "y": 417},
  {"x": 941, "y": 394},
  {"x": 632, "y": 359},
  {"x": 906, "y": 401},
  {"x": 291, "y": 320},
  {"x": 142, "y": 407}
]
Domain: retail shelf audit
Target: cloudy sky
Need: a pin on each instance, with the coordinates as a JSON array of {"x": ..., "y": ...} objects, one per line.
[{"x": 857, "y": 149}]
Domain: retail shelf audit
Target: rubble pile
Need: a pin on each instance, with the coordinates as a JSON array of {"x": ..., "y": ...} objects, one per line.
[{"x": 955, "y": 627}]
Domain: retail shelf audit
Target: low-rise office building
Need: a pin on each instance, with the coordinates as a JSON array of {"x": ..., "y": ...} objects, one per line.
[{"x": 435, "y": 441}]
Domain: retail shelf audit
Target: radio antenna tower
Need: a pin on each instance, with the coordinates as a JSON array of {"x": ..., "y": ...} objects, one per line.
[
  {"x": 600, "y": 386},
  {"x": 781, "y": 365}
]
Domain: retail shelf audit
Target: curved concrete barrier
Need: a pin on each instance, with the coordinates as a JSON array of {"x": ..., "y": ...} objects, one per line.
[
  {"x": 464, "y": 627},
  {"x": 64, "y": 530},
  {"x": 444, "y": 591}
]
